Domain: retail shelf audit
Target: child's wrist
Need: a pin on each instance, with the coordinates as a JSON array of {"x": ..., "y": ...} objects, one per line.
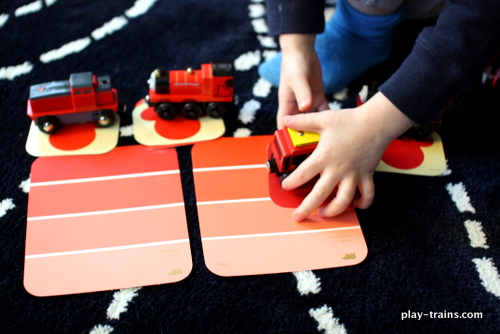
[
  {"x": 297, "y": 42},
  {"x": 386, "y": 117}
]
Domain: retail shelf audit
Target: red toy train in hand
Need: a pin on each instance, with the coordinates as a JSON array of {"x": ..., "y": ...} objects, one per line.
[
  {"x": 192, "y": 93},
  {"x": 289, "y": 149}
]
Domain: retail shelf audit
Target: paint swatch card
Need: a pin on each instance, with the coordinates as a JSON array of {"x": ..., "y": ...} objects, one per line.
[
  {"x": 151, "y": 130},
  {"x": 244, "y": 233},
  {"x": 410, "y": 156},
  {"x": 73, "y": 139},
  {"x": 104, "y": 222}
]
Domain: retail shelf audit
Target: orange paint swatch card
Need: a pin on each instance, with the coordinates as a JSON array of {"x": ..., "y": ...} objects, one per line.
[
  {"x": 151, "y": 130},
  {"x": 105, "y": 222},
  {"x": 410, "y": 156},
  {"x": 244, "y": 233},
  {"x": 73, "y": 139}
]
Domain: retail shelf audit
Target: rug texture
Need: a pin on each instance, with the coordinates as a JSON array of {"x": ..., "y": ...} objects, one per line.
[{"x": 434, "y": 242}]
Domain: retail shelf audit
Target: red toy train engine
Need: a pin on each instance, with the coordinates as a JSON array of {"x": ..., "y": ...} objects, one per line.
[
  {"x": 84, "y": 97},
  {"x": 192, "y": 93},
  {"x": 289, "y": 149}
]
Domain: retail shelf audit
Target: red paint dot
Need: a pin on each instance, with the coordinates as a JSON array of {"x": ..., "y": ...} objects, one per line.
[
  {"x": 178, "y": 128},
  {"x": 149, "y": 114},
  {"x": 73, "y": 136},
  {"x": 405, "y": 153}
]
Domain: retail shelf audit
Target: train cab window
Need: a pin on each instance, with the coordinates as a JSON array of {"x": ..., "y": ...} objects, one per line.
[
  {"x": 298, "y": 159},
  {"x": 286, "y": 164}
]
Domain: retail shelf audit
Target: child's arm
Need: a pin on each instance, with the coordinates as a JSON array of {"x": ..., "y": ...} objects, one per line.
[
  {"x": 301, "y": 87},
  {"x": 351, "y": 145}
]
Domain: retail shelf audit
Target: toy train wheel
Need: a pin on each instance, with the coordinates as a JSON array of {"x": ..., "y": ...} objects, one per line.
[
  {"x": 216, "y": 110},
  {"x": 272, "y": 166},
  {"x": 166, "y": 111},
  {"x": 284, "y": 176},
  {"x": 420, "y": 132},
  {"x": 192, "y": 110},
  {"x": 49, "y": 124},
  {"x": 104, "y": 118}
]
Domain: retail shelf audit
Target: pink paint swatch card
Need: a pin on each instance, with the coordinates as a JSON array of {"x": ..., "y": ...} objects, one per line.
[
  {"x": 104, "y": 222},
  {"x": 151, "y": 130},
  {"x": 73, "y": 139},
  {"x": 245, "y": 233}
]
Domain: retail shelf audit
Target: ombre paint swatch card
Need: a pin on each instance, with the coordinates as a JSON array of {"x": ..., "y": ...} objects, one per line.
[
  {"x": 103, "y": 222},
  {"x": 244, "y": 232}
]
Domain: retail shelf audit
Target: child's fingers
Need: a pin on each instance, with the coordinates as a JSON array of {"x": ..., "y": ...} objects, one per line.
[
  {"x": 304, "y": 173},
  {"x": 297, "y": 87},
  {"x": 321, "y": 190},
  {"x": 285, "y": 109},
  {"x": 342, "y": 200},
  {"x": 303, "y": 121},
  {"x": 287, "y": 105},
  {"x": 322, "y": 104},
  {"x": 303, "y": 95},
  {"x": 367, "y": 191}
]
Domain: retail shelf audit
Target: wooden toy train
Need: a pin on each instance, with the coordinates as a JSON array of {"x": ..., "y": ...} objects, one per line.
[
  {"x": 289, "y": 149},
  {"x": 192, "y": 93},
  {"x": 84, "y": 97}
]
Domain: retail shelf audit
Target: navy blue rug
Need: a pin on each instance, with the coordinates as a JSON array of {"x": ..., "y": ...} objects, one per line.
[{"x": 433, "y": 242}]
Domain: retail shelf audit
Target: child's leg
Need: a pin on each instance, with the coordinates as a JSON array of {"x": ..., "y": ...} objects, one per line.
[
  {"x": 423, "y": 9},
  {"x": 352, "y": 42}
]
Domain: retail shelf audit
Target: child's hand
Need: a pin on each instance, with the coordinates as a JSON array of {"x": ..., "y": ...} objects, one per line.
[
  {"x": 301, "y": 87},
  {"x": 352, "y": 142}
]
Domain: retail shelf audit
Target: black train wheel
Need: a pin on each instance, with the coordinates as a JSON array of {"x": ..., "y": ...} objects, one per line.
[
  {"x": 192, "y": 110},
  {"x": 48, "y": 124},
  {"x": 104, "y": 118},
  {"x": 272, "y": 166},
  {"x": 166, "y": 111},
  {"x": 216, "y": 109}
]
